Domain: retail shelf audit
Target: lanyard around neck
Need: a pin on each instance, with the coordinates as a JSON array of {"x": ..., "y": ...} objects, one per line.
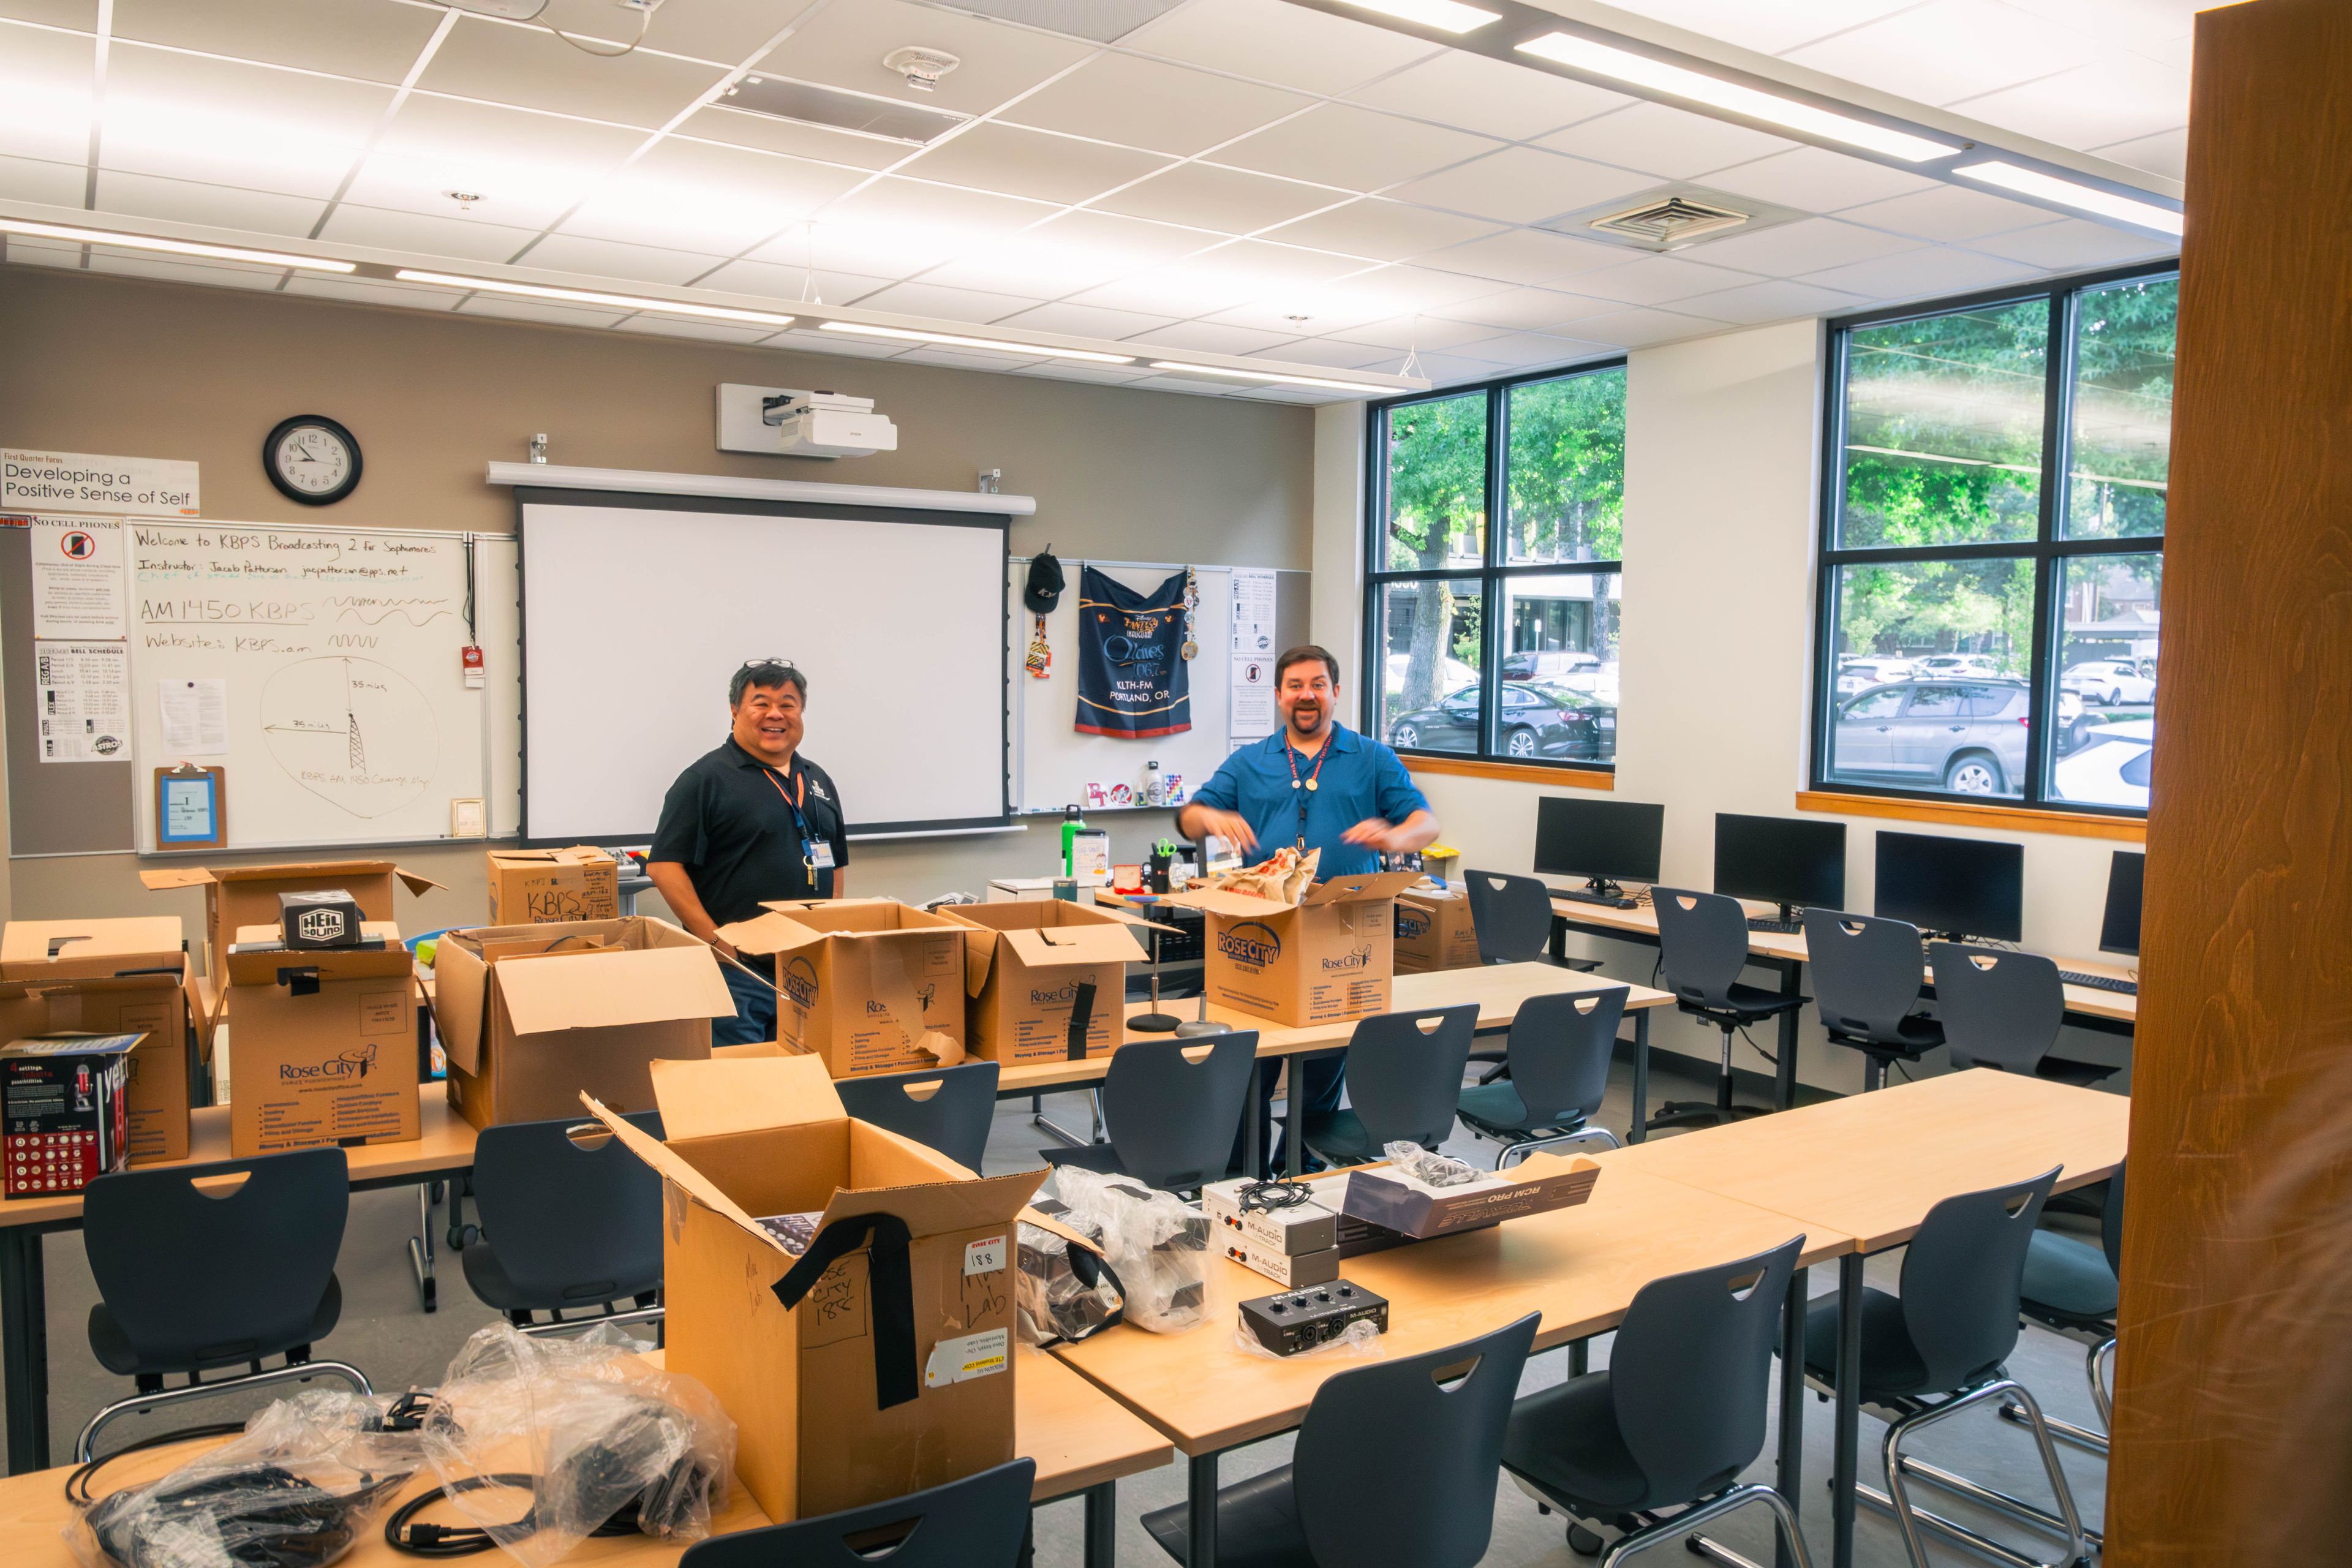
[
  {"x": 799, "y": 798},
  {"x": 1305, "y": 786}
]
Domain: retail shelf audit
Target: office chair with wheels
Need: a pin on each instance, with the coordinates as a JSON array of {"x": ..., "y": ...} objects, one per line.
[
  {"x": 1511, "y": 917},
  {"x": 1559, "y": 1052},
  {"x": 1391, "y": 1470},
  {"x": 1867, "y": 976},
  {"x": 2003, "y": 1009},
  {"x": 1936, "y": 1350},
  {"x": 569, "y": 1222},
  {"x": 980, "y": 1521},
  {"x": 1404, "y": 1080},
  {"x": 1702, "y": 949},
  {"x": 200, "y": 1268},
  {"x": 2072, "y": 1290},
  {"x": 1172, "y": 1107},
  {"x": 1655, "y": 1445},
  {"x": 947, "y": 1109}
]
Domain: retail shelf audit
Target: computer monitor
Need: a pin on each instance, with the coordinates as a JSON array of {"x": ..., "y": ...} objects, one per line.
[
  {"x": 1952, "y": 887},
  {"x": 1780, "y": 860},
  {"x": 2119, "y": 928},
  {"x": 1599, "y": 840}
]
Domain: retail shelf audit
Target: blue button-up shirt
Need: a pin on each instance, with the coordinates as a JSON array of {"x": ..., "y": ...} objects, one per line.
[{"x": 1360, "y": 778}]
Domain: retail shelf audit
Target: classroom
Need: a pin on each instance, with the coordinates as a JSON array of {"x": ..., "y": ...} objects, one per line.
[{"x": 1302, "y": 783}]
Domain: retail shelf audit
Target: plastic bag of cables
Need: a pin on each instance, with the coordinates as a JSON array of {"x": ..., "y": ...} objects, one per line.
[
  {"x": 1156, "y": 1242},
  {"x": 541, "y": 1443},
  {"x": 1061, "y": 1290},
  {"x": 308, "y": 1476}
]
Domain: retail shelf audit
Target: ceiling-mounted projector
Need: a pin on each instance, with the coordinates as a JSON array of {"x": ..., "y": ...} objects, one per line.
[{"x": 785, "y": 422}]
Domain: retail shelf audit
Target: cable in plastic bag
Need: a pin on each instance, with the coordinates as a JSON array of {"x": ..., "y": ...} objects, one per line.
[{"x": 1156, "y": 1244}]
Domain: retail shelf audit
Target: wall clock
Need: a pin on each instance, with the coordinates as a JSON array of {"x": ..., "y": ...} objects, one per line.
[{"x": 311, "y": 459}]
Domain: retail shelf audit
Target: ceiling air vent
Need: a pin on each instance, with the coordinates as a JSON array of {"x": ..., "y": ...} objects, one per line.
[
  {"x": 1675, "y": 221},
  {"x": 778, "y": 98}
]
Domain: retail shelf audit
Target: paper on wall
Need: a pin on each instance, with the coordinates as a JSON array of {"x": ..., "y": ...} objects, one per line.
[
  {"x": 1253, "y": 715},
  {"x": 83, "y": 693},
  {"x": 1253, "y": 611},
  {"x": 78, "y": 578},
  {"x": 194, "y": 717}
]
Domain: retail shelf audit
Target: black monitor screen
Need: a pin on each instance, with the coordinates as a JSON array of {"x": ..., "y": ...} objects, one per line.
[
  {"x": 1610, "y": 838},
  {"x": 1780, "y": 860},
  {"x": 2119, "y": 931},
  {"x": 1964, "y": 885}
]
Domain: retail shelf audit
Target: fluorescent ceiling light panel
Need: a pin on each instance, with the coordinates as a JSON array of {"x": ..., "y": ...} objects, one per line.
[
  {"x": 1446, "y": 16},
  {"x": 174, "y": 247},
  {"x": 1000, "y": 345},
  {"x": 592, "y": 297},
  {"x": 1262, "y": 376},
  {"x": 1681, "y": 82},
  {"x": 2085, "y": 198}
]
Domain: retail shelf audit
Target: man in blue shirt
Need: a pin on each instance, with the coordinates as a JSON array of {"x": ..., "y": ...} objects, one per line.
[{"x": 1315, "y": 785}]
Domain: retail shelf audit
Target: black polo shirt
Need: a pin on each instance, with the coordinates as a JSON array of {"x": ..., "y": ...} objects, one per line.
[{"x": 727, "y": 823}]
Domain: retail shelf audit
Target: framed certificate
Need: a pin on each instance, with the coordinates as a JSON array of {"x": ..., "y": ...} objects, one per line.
[{"x": 191, "y": 808}]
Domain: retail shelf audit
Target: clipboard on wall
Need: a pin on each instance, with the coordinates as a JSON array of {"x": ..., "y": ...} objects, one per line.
[{"x": 191, "y": 808}]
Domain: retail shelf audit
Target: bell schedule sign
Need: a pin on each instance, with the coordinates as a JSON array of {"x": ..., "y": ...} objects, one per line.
[{"x": 78, "y": 481}]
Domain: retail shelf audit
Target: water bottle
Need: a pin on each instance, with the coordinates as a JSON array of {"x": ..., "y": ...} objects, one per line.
[{"x": 1155, "y": 787}]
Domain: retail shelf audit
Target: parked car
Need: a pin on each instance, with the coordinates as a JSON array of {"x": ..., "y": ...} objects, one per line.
[
  {"x": 1965, "y": 736},
  {"x": 1452, "y": 671},
  {"x": 2108, "y": 681},
  {"x": 1549, "y": 664},
  {"x": 2111, "y": 767},
  {"x": 1862, "y": 674},
  {"x": 1538, "y": 719},
  {"x": 1950, "y": 665}
]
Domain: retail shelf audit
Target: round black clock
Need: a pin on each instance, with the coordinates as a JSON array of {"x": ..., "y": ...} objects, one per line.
[{"x": 311, "y": 459}]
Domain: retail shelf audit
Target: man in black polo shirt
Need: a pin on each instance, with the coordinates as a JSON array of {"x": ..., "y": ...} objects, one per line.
[{"x": 751, "y": 821}]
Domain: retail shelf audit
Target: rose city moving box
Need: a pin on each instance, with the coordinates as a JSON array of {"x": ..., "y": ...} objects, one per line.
[
  {"x": 324, "y": 1042},
  {"x": 532, "y": 1015},
  {"x": 1024, "y": 964},
  {"x": 1434, "y": 932},
  {"x": 870, "y": 985},
  {"x": 846, "y": 1292},
  {"x": 1324, "y": 960},
  {"x": 531, "y": 885},
  {"x": 237, "y": 896},
  {"x": 112, "y": 977}
]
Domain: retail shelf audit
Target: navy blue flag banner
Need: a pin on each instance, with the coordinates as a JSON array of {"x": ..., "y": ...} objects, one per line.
[{"x": 1131, "y": 679}]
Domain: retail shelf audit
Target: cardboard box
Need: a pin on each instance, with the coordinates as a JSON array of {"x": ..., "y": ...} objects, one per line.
[
  {"x": 1434, "y": 932},
  {"x": 237, "y": 896},
  {"x": 870, "y": 985},
  {"x": 530, "y": 1015},
  {"x": 755, "y": 1138},
  {"x": 532, "y": 886},
  {"x": 68, "y": 1120},
  {"x": 1325, "y": 960},
  {"x": 1388, "y": 1200},
  {"x": 325, "y": 1043},
  {"x": 1022, "y": 965},
  {"x": 1005, "y": 889},
  {"x": 114, "y": 976}
]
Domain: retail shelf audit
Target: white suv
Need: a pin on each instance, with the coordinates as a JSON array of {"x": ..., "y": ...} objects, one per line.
[{"x": 2108, "y": 681}]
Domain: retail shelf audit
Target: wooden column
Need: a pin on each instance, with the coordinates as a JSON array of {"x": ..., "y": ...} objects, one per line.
[{"x": 2233, "y": 1425}]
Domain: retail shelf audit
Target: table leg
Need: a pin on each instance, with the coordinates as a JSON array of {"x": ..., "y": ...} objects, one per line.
[
  {"x": 420, "y": 1246},
  {"x": 1559, "y": 940},
  {"x": 1845, "y": 1461},
  {"x": 24, "y": 1358},
  {"x": 1102, "y": 1525},
  {"x": 1784, "y": 1075},
  {"x": 1579, "y": 1357},
  {"x": 1294, "y": 1122},
  {"x": 1202, "y": 1529},
  {"x": 1640, "y": 1130},
  {"x": 1252, "y": 1151},
  {"x": 1790, "y": 1478}
]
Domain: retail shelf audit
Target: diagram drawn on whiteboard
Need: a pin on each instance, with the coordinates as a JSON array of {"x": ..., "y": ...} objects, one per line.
[{"x": 356, "y": 733}]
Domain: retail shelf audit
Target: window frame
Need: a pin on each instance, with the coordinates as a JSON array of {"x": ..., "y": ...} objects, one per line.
[
  {"x": 1491, "y": 574},
  {"x": 2048, "y": 552}
]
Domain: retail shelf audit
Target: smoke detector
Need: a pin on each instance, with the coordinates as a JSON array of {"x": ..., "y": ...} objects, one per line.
[{"x": 922, "y": 66}]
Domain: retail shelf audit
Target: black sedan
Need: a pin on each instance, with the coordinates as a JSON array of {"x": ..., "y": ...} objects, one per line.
[{"x": 1537, "y": 720}]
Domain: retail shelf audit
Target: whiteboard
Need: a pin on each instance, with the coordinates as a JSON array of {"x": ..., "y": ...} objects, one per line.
[
  {"x": 894, "y": 618},
  {"x": 349, "y": 722}
]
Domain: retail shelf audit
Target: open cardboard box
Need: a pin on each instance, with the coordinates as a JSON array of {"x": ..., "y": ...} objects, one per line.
[
  {"x": 1381, "y": 1207},
  {"x": 326, "y": 1043},
  {"x": 113, "y": 977},
  {"x": 872, "y": 985},
  {"x": 532, "y": 886},
  {"x": 1325, "y": 960},
  {"x": 530, "y": 1015},
  {"x": 237, "y": 896},
  {"x": 894, "y": 1371},
  {"x": 1024, "y": 963},
  {"x": 1433, "y": 931}
]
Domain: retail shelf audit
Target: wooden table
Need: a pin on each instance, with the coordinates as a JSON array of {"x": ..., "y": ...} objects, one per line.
[
  {"x": 1872, "y": 1166},
  {"x": 1579, "y": 1267},
  {"x": 1083, "y": 1443}
]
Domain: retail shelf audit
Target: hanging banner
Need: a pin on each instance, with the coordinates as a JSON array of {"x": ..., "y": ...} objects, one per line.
[{"x": 1132, "y": 680}]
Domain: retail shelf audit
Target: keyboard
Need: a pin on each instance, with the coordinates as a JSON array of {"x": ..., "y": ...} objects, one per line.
[
  {"x": 2101, "y": 983},
  {"x": 1768, "y": 922}
]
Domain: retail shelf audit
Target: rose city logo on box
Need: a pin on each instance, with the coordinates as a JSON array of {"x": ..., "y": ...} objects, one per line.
[
  {"x": 351, "y": 1064},
  {"x": 1252, "y": 943},
  {"x": 1066, "y": 992},
  {"x": 799, "y": 981},
  {"x": 1355, "y": 958},
  {"x": 1411, "y": 922},
  {"x": 320, "y": 925}
]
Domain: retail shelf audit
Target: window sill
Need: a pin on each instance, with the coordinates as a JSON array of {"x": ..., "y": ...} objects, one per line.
[
  {"x": 1516, "y": 772},
  {"x": 2007, "y": 818}
]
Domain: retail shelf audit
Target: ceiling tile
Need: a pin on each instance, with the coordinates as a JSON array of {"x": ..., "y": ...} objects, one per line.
[
  {"x": 1087, "y": 321},
  {"x": 1754, "y": 304},
  {"x": 1338, "y": 144},
  {"x": 215, "y": 274},
  {"x": 470, "y": 239},
  {"x": 1269, "y": 41},
  {"x": 1212, "y": 338},
  {"x": 1532, "y": 351},
  {"x": 1491, "y": 97},
  {"x": 80, "y": 14},
  {"x": 691, "y": 195},
  {"x": 1401, "y": 333},
  {"x": 2117, "y": 99},
  {"x": 528, "y": 169},
  {"x": 1527, "y": 256},
  {"x": 1948, "y": 49},
  {"x": 1814, "y": 179},
  {"x": 184, "y": 201},
  {"x": 1152, "y": 104},
  {"x": 372, "y": 292},
  {"x": 1353, "y": 300},
  {"x": 609, "y": 259},
  {"x": 842, "y": 46},
  {"x": 2073, "y": 243},
  {"x": 532, "y": 311},
  {"x": 1384, "y": 230},
  {"x": 1078, "y": 251},
  {"x": 1449, "y": 370},
  {"x": 1527, "y": 309},
  {"x": 225, "y": 122},
  {"x": 946, "y": 304},
  {"x": 1643, "y": 329},
  {"x": 1033, "y": 163},
  {"x": 38, "y": 180},
  {"x": 893, "y": 227},
  {"x": 1521, "y": 184},
  {"x": 1656, "y": 280},
  {"x": 1949, "y": 214},
  {"x": 793, "y": 284},
  {"x": 1917, "y": 273},
  {"x": 1229, "y": 201},
  {"x": 376, "y": 43},
  {"x": 1803, "y": 246},
  {"x": 44, "y": 84},
  {"x": 2166, "y": 154},
  {"x": 727, "y": 31},
  {"x": 535, "y": 69},
  {"x": 769, "y": 134},
  {"x": 707, "y": 332},
  {"x": 1220, "y": 280},
  {"x": 1669, "y": 142},
  {"x": 1334, "y": 354},
  {"x": 1769, "y": 27}
]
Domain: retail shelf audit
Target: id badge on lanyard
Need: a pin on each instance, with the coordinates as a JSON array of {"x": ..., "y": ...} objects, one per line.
[{"x": 816, "y": 854}]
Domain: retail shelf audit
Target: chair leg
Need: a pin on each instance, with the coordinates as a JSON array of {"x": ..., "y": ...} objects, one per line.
[
  {"x": 1513, "y": 1153},
  {"x": 573, "y": 1325},
  {"x": 1681, "y": 1525},
  {"x": 2066, "y": 1522},
  {"x": 86, "y": 1445},
  {"x": 2104, "y": 1351},
  {"x": 2067, "y": 1431}
]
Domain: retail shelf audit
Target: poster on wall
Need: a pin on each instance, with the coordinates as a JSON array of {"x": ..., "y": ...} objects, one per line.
[
  {"x": 78, "y": 579},
  {"x": 83, "y": 693},
  {"x": 1253, "y": 717},
  {"x": 1253, "y": 611},
  {"x": 1133, "y": 679},
  {"x": 83, "y": 482}
]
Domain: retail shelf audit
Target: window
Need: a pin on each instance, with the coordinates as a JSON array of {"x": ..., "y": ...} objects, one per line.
[
  {"x": 1993, "y": 546},
  {"x": 1498, "y": 642}
]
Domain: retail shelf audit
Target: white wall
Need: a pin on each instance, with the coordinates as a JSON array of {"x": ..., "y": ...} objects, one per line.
[
  {"x": 1336, "y": 606},
  {"x": 1721, "y": 507}
]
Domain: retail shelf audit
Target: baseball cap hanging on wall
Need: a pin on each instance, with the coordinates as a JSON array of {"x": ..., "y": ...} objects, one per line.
[{"x": 1041, "y": 594}]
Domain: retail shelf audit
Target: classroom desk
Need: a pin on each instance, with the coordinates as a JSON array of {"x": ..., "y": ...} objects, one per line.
[
  {"x": 1872, "y": 1166},
  {"x": 1083, "y": 1443},
  {"x": 1579, "y": 1268},
  {"x": 444, "y": 1148}
]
